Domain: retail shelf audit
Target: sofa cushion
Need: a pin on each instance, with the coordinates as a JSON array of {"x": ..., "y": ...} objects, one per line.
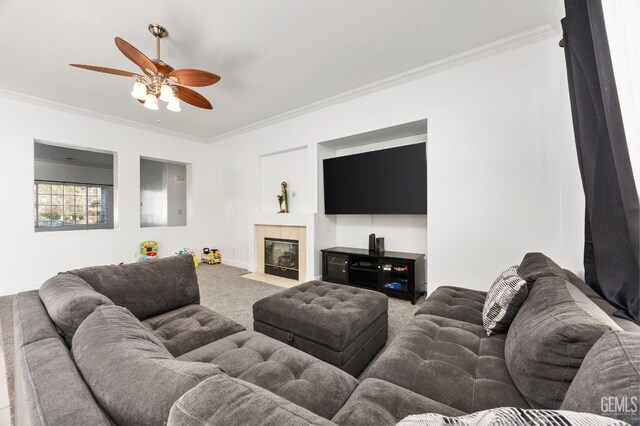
[
  {"x": 582, "y": 286},
  {"x": 449, "y": 361},
  {"x": 190, "y": 327},
  {"x": 223, "y": 400},
  {"x": 133, "y": 377},
  {"x": 610, "y": 374},
  {"x": 331, "y": 314},
  {"x": 503, "y": 301},
  {"x": 608, "y": 308},
  {"x": 281, "y": 369},
  {"x": 551, "y": 334},
  {"x": 377, "y": 402},
  {"x": 146, "y": 288},
  {"x": 69, "y": 300},
  {"x": 512, "y": 417},
  {"x": 537, "y": 265},
  {"x": 49, "y": 389},
  {"x": 456, "y": 303}
]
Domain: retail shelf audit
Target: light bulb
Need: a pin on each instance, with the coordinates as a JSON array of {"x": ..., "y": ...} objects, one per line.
[
  {"x": 139, "y": 91},
  {"x": 151, "y": 102},
  {"x": 166, "y": 93},
  {"x": 174, "y": 105}
]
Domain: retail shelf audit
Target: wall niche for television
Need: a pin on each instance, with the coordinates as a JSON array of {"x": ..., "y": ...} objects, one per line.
[
  {"x": 405, "y": 231},
  {"x": 379, "y": 172}
]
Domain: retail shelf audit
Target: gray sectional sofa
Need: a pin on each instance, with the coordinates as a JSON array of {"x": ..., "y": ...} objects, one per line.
[{"x": 131, "y": 345}]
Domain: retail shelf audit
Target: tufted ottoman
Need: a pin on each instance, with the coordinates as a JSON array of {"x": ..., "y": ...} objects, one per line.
[{"x": 342, "y": 325}]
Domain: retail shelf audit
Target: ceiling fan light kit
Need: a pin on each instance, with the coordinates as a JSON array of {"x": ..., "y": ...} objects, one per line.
[
  {"x": 151, "y": 102},
  {"x": 166, "y": 93},
  {"x": 139, "y": 91},
  {"x": 159, "y": 79},
  {"x": 174, "y": 105}
]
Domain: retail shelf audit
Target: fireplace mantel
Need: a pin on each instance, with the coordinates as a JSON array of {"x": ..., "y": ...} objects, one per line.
[{"x": 283, "y": 219}]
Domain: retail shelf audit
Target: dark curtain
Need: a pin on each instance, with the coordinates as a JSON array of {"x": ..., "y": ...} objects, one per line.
[{"x": 612, "y": 228}]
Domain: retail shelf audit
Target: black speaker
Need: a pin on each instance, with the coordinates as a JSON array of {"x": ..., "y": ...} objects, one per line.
[
  {"x": 380, "y": 245},
  {"x": 372, "y": 242}
]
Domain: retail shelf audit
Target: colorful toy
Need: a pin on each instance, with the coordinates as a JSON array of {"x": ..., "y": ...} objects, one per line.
[
  {"x": 188, "y": 251},
  {"x": 210, "y": 256},
  {"x": 148, "y": 251}
]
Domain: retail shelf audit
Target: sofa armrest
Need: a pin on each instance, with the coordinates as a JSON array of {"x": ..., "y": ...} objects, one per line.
[
  {"x": 49, "y": 389},
  {"x": 223, "y": 400}
]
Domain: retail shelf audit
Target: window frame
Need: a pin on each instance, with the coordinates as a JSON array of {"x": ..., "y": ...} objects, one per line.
[{"x": 84, "y": 227}]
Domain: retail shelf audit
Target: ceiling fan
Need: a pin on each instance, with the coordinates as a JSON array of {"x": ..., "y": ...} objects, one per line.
[{"x": 158, "y": 79}]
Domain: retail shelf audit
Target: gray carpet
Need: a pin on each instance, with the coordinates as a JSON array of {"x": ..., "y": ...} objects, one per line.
[
  {"x": 223, "y": 290},
  {"x": 6, "y": 334}
]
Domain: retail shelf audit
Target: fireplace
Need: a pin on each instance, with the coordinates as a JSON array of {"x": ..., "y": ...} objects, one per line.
[{"x": 281, "y": 257}]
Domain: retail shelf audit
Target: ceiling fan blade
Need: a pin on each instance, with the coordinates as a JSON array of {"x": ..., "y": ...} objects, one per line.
[
  {"x": 192, "y": 97},
  {"x": 197, "y": 78},
  {"x": 136, "y": 56},
  {"x": 107, "y": 70}
]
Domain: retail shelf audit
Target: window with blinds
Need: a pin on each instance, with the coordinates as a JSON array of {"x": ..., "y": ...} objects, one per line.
[{"x": 60, "y": 206}]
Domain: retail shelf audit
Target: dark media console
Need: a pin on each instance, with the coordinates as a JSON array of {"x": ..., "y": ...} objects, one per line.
[{"x": 393, "y": 273}]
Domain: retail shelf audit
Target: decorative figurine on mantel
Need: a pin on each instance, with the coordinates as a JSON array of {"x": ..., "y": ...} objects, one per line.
[{"x": 282, "y": 198}]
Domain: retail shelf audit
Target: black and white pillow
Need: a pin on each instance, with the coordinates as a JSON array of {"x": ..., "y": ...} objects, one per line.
[
  {"x": 513, "y": 417},
  {"x": 503, "y": 300}
]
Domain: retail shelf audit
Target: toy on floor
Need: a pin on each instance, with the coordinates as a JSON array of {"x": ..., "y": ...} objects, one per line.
[
  {"x": 210, "y": 256},
  {"x": 188, "y": 251},
  {"x": 148, "y": 251}
]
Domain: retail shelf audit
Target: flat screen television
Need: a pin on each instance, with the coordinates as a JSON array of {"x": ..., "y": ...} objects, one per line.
[{"x": 388, "y": 181}]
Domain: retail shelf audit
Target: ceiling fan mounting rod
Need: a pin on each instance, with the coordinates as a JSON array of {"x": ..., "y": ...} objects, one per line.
[{"x": 158, "y": 32}]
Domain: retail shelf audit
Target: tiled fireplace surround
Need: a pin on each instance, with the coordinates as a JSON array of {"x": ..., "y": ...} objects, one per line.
[{"x": 282, "y": 231}]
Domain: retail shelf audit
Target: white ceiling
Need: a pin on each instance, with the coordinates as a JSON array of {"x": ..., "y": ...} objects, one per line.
[{"x": 273, "y": 55}]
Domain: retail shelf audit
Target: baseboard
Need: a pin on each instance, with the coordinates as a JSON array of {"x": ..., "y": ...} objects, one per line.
[{"x": 235, "y": 263}]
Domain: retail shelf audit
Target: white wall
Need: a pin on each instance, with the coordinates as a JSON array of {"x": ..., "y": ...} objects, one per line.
[
  {"x": 28, "y": 258},
  {"x": 50, "y": 170},
  {"x": 502, "y": 170},
  {"x": 406, "y": 232},
  {"x": 176, "y": 194},
  {"x": 288, "y": 166},
  {"x": 622, "y": 19},
  {"x": 153, "y": 193}
]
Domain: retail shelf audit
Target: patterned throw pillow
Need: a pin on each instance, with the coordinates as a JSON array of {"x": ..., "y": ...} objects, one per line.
[
  {"x": 513, "y": 417},
  {"x": 503, "y": 301}
]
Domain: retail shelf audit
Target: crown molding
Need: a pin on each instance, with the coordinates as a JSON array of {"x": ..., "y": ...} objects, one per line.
[
  {"x": 23, "y": 97},
  {"x": 527, "y": 37},
  {"x": 517, "y": 40}
]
